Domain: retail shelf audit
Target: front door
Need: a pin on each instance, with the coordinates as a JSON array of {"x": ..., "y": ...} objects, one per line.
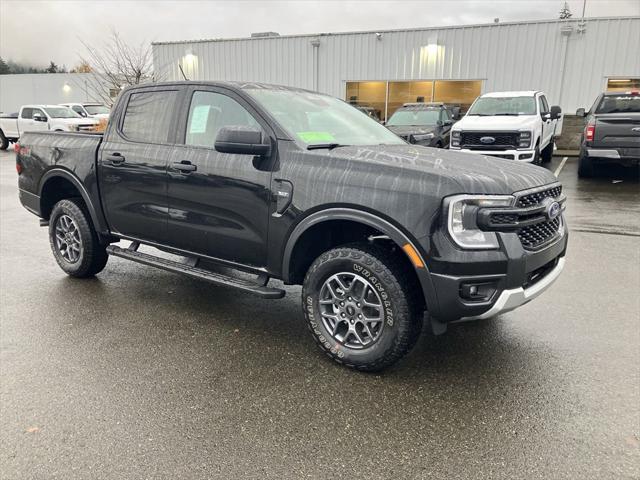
[
  {"x": 548, "y": 125},
  {"x": 133, "y": 165},
  {"x": 218, "y": 202}
]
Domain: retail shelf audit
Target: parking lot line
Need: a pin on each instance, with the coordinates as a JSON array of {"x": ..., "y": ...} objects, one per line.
[{"x": 559, "y": 169}]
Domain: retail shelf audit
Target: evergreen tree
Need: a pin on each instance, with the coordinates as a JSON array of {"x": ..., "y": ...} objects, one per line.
[{"x": 565, "y": 12}]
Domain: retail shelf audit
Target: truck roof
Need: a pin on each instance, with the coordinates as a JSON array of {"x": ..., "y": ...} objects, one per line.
[
  {"x": 233, "y": 85},
  {"x": 42, "y": 105},
  {"x": 522, "y": 93}
]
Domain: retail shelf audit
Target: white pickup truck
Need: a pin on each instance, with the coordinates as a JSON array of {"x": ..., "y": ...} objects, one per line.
[
  {"x": 35, "y": 118},
  {"x": 513, "y": 125},
  {"x": 89, "y": 110}
]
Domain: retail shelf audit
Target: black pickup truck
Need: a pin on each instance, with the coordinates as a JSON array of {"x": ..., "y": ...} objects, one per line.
[
  {"x": 612, "y": 133},
  {"x": 290, "y": 184}
]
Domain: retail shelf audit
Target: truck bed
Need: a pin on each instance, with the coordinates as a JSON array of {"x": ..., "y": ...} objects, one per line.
[{"x": 75, "y": 152}]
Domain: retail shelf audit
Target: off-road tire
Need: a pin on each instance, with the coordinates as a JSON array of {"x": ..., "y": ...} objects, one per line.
[
  {"x": 93, "y": 255},
  {"x": 4, "y": 142},
  {"x": 547, "y": 153},
  {"x": 585, "y": 166},
  {"x": 402, "y": 315}
]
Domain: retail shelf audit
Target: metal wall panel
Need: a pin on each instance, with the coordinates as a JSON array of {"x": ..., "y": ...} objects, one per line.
[{"x": 506, "y": 56}]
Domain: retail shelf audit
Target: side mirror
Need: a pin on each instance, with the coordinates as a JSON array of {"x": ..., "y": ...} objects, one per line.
[
  {"x": 39, "y": 118},
  {"x": 581, "y": 112},
  {"x": 383, "y": 122},
  {"x": 556, "y": 112},
  {"x": 242, "y": 141},
  {"x": 447, "y": 123}
]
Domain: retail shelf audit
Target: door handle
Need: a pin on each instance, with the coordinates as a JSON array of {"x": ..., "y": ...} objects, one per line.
[
  {"x": 184, "y": 166},
  {"x": 116, "y": 158}
]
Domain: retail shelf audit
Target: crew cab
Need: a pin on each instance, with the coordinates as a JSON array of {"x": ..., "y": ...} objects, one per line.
[
  {"x": 89, "y": 110},
  {"x": 427, "y": 124},
  {"x": 284, "y": 183},
  {"x": 512, "y": 125},
  {"x": 612, "y": 132},
  {"x": 33, "y": 118}
]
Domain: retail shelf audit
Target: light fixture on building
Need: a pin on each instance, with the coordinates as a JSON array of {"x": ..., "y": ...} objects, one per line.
[
  {"x": 189, "y": 59},
  {"x": 66, "y": 88},
  {"x": 432, "y": 48}
]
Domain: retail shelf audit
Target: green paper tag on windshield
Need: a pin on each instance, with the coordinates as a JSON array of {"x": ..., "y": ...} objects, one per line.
[{"x": 313, "y": 138}]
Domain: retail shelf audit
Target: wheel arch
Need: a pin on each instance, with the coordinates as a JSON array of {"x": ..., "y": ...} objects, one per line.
[
  {"x": 366, "y": 219},
  {"x": 58, "y": 184}
]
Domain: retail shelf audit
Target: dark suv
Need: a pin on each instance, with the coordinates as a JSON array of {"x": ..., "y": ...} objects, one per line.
[{"x": 427, "y": 124}]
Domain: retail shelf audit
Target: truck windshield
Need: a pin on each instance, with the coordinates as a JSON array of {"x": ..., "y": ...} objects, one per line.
[
  {"x": 320, "y": 120},
  {"x": 61, "y": 112},
  {"x": 619, "y": 104},
  {"x": 414, "y": 117},
  {"x": 489, "y": 106},
  {"x": 96, "y": 109}
]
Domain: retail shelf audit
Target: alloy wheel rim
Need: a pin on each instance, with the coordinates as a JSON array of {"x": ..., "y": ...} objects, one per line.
[
  {"x": 68, "y": 241},
  {"x": 351, "y": 310}
]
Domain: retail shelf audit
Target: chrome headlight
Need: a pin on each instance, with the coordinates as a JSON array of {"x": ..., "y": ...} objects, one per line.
[
  {"x": 455, "y": 138},
  {"x": 461, "y": 213}
]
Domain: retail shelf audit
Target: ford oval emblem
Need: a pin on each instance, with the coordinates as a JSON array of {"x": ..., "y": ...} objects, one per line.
[
  {"x": 487, "y": 140},
  {"x": 553, "y": 210}
]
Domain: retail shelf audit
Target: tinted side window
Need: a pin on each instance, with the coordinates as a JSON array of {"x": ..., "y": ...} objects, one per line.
[
  {"x": 209, "y": 112},
  {"x": 37, "y": 111},
  {"x": 148, "y": 116},
  {"x": 27, "y": 113},
  {"x": 78, "y": 109},
  {"x": 446, "y": 115}
]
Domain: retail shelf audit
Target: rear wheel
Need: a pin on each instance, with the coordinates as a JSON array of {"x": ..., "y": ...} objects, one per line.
[
  {"x": 74, "y": 241},
  {"x": 547, "y": 153},
  {"x": 585, "y": 166},
  {"x": 362, "y": 307},
  {"x": 4, "y": 142}
]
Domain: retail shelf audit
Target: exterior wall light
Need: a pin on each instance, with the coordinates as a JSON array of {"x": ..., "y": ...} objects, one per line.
[{"x": 66, "y": 88}]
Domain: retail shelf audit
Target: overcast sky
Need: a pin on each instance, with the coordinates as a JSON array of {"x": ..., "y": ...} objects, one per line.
[{"x": 36, "y": 31}]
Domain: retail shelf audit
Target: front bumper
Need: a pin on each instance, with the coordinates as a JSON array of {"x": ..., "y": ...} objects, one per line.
[
  {"x": 513, "y": 298},
  {"x": 515, "y": 276},
  {"x": 519, "y": 155}
]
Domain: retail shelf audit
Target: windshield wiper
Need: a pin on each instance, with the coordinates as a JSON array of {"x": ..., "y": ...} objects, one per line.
[
  {"x": 329, "y": 146},
  {"x": 479, "y": 114},
  {"x": 506, "y": 114}
]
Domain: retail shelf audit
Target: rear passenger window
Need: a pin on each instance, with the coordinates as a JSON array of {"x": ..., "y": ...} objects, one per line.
[
  {"x": 27, "y": 113},
  {"x": 148, "y": 116},
  {"x": 209, "y": 112}
]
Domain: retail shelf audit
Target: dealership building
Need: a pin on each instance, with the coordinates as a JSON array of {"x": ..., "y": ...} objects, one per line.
[{"x": 571, "y": 60}]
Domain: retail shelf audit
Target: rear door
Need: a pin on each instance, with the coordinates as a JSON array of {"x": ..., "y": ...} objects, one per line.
[
  {"x": 133, "y": 164},
  {"x": 219, "y": 208}
]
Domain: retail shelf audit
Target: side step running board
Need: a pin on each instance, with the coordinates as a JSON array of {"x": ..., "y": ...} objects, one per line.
[{"x": 191, "y": 271}]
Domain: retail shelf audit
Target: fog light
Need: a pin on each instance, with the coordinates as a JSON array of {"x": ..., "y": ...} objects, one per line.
[{"x": 477, "y": 292}]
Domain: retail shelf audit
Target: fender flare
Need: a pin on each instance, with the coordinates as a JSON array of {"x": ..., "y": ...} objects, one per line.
[
  {"x": 67, "y": 175},
  {"x": 369, "y": 219}
]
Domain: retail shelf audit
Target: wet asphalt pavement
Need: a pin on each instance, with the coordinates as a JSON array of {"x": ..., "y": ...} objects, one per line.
[{"x": 140, "y": 373}]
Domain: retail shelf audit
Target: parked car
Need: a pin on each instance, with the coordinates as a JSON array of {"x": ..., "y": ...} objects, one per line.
[
  {"x": 427, "y": 124},
  {"x": 89, "y": 110},
  {"x": 299, "y": 186},
  {"x": 612, "y": 133},
  {"x": 513, "y": 125},
  {"x": 42, "y": 118},
  {"x": 369, "y": 111}
]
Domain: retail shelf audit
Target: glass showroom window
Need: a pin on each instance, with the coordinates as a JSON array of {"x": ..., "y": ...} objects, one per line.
[
  {"x": 370, "y": 96},
  {"x": 457, "y": 92},
  {"x": 408, "y": 92},
  {"x": 623, "y": 84}
]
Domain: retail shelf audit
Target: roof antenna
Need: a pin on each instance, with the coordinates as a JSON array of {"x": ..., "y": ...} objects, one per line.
[{"x": 182, "y": 71}]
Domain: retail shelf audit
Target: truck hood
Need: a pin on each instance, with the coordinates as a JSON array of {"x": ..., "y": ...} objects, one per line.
[
  {"x": 498, "y": 123},
  {"x": 404, "y": 130},
  {"x": 462, "y": 172}
]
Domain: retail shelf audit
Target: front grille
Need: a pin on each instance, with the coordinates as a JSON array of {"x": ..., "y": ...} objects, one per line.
[
  {"x": 537, "y": 197},
  {"x": 507, "y": 156},
  {"x": 504, "y": 218},
  {"x": 535, "y": 236},
  {"x": 502, "y": 140}
]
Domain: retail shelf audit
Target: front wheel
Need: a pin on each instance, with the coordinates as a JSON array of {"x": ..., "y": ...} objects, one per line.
[
  {"x": 362, "y": 306},
  {"x": 4, "y": 142},
  {"x": 547, "y": 153},
  {"x": 537, "y": 159},
  {"x": 74, "y": 241}
]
